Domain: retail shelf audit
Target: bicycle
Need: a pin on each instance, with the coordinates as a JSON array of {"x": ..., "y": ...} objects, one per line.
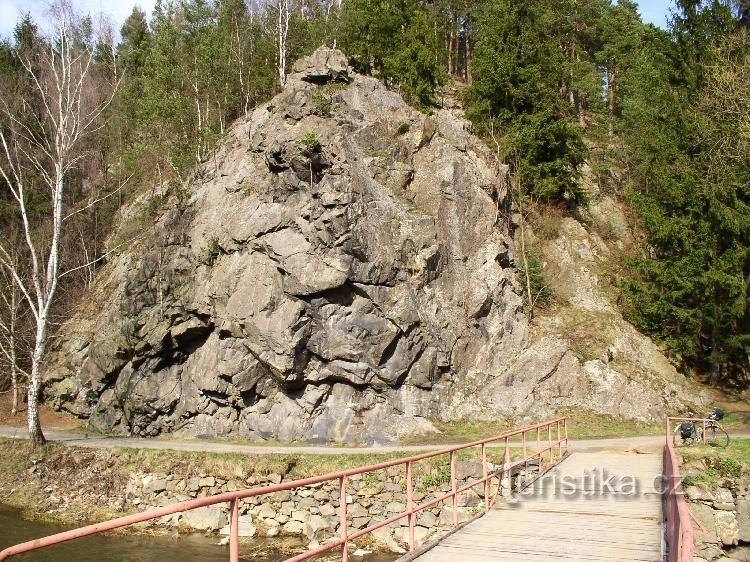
[{"x": 687, "y": 432}]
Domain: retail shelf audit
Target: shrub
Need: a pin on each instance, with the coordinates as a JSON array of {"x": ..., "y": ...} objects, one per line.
[
  {"x": 310, "y": 141},
  {"x": 541, "y": 293},
  {"x": 212, "y": 251},
  {"x": 322, "y": 98}
]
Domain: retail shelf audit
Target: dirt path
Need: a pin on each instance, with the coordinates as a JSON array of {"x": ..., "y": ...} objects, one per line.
[{"x": 73, "y": 439}]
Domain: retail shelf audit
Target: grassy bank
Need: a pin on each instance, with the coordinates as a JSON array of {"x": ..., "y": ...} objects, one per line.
[
  {"x": 73, "y": 485},
  {"x": 712, "y": 466},
  {"x": 582, "y": 424}
]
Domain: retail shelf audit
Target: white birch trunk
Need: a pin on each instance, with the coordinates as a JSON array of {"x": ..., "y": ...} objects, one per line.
[
  {"x": 282, "y": 31},
  {"x": 61, "y": 85}
]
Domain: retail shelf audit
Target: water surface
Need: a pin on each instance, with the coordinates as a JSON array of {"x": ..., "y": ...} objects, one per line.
[{"x": 133, "y": 548}]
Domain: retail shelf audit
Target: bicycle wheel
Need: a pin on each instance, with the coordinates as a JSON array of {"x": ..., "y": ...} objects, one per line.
[{"x": 716, "y": 436}]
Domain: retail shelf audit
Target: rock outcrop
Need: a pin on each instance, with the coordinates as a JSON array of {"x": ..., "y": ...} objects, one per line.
[{"x": 340, "y": 270}]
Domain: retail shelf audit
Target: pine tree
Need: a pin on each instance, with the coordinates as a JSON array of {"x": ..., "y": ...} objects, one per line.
[
  {"x": 519, "y": 73},
  {"x": 691, "y": 288},
  {"x": 396, "y": 40}
]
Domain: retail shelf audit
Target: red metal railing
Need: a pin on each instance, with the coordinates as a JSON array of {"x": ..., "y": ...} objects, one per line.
[
  {"x": 679, "y": 531},
  {"x": 546, "y": 446}
]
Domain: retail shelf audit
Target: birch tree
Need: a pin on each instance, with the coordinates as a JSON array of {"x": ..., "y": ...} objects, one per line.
[
  {"x": 282, "y": 32},
  {"x": 37, "y": 150},
  {"x": 12, "y": 340}
]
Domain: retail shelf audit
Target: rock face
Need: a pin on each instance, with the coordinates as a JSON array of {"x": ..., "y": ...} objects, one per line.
[{"x": 340, "y": 270}]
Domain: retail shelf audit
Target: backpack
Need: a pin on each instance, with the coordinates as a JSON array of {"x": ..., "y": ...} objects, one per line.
[
  {"x": 716, "y": 414},
  {"x": 686, "y": 430}
]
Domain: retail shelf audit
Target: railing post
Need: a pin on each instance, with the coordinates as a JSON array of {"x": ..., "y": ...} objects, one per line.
[
  {"x": 549, "y": 442},
  {"x": 454, "y": 486},
  {"x": 506, "y": 467},
  {"x": 342, "y": 519},
  {"x": 410, "y": 504},
  {"x": 525, "y": 459},
  {"x": 565, "y": 428},
  {"x": 559, "y": 441},
  {"x": 539, "y": 447},
  {"x": 704, "y": 432},
  {"x": 234, "y": 535},
  {"x": 486, "y": 479}
]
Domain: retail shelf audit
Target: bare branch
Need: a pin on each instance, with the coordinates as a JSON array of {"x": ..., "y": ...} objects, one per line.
[
  {"x": 100, "y": 258},
  {"x": 100, "y": 199}
]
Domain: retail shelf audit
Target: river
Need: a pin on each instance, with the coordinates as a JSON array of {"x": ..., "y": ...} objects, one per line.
[{"x": 130, "y": 548}]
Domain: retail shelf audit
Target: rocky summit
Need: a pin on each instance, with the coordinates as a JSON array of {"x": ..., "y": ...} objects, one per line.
[{"x": 341, "y": 269}]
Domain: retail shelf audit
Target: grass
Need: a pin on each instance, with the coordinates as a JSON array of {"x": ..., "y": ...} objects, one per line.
[
  {"x": 582, "y": 424},
  {"x": 233, "y": 465},
  {"x": 22, "y": 488},
  {"x": 716, "y": 463},
  {"x": 458, "y": 432},
  {"x": 585, "y": 424},
  {"x": 589, "y": 332},
  {"x": 733, "y": 420},
  {"x": 738, "y": 451}
]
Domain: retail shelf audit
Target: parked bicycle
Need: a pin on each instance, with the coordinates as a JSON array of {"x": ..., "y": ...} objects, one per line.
[{"x": 689, "y": 432}]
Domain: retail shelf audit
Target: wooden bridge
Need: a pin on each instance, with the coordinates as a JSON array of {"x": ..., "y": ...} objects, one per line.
[
  {"x": 540, "y": 503},
  {"x": 592, "y": 506}
]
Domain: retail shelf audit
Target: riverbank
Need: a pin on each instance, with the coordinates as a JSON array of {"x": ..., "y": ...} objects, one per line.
[
  {"x": 717, "y": 486},
  {"x": 74, "y": 486}
]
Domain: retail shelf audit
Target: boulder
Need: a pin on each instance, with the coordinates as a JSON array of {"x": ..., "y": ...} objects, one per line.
[
  {"x": 317, "y": 527},
  {"x": 325, "y": 65},
  {"x": 699, "y": 493},
  {"x": 153, "y": 485},
  {"x": 209, "y": 518},
  {"x": 245, "y": 528},
  {"x": 293, "y": 528},
  {"x": 705, "y": 515},
  {"x": 727, "y": 529}
]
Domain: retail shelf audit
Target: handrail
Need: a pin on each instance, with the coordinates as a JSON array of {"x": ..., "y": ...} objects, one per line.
[
  {"x": 233, "y": 498},
  {"x": 679, "y": 529}
]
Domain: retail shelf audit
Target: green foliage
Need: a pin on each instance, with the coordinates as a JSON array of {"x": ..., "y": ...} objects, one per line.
[
  {"x": 247, "y": 187},
  {"x": 180, "y": 190},
  {"x": 518, "y": 73},
  {"x": 310, "y": 141},
  {"x": 541, "y": 294},
  {"x": 403, "y": 128},
  {"x": 149, "y": 210},
  {"x": 685, "y": 101},
  {"x": 730, "y": 466},
  {"x": 376, "y": 153},
  {"x": 211, "y": 251},
  {"x": 435, "y": 478},
  {"x": 689, "y": 480},
  {"x": 323, "y": 97},
  {"x": 397, "y": 41},
  {"x": 550, "y": 153}
]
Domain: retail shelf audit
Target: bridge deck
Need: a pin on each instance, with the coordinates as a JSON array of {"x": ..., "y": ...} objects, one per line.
[{"x": 587, "y": 519}]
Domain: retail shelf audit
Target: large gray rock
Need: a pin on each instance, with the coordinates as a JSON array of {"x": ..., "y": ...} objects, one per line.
[
  {"x": 208, "y": 518},
  {"x": 727, "y": 528},
  {"x": 329, "y": 278}
]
